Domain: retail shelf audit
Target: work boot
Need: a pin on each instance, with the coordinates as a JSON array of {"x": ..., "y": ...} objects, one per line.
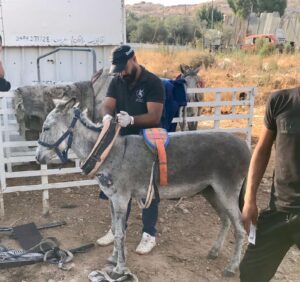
[
  {"x": 146, "y": 245},
  {"x": 107, "y": 239}
]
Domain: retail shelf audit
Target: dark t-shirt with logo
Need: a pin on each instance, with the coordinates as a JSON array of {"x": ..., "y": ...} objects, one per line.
[
  {"x": 283, "y": 117},
  {"x": 133, "y": 98},
  {"x": 4, "y": 85}
]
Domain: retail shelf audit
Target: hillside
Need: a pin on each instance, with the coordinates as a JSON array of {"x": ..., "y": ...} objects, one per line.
[
  {"x": 147, "y": 8},
  {"x": 150, "y": 9}
]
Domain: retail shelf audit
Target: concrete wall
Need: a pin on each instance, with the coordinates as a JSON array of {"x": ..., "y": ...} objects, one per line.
[{"x": 265, "y": 23}]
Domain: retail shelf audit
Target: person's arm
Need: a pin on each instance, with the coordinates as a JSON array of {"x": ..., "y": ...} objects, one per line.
[
  {"x": 258, "y": 165},
  {"x": 150, "y": 119},
  {"x": 108, "y": 106},
  {"x": 2, "y": 73}
]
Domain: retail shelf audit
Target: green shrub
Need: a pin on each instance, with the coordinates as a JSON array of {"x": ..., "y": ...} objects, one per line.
[{"x": 264, "y": 47}]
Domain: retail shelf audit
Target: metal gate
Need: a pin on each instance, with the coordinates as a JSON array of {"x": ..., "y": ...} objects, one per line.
[{"x": 228, "y": 113}]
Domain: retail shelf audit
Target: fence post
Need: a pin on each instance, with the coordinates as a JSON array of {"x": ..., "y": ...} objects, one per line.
[
  {"x": 2, "y": 165},
  {"x": 217, "y": 111},
  {"x": 6, "y": 134},
  {"x": 233, "y": 107},
  {"x": 46, "y": 205},
  {"x": 252, "y": 93}
]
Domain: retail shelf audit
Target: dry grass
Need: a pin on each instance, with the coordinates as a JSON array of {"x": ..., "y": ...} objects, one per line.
[{"x": 231, "y": 70}]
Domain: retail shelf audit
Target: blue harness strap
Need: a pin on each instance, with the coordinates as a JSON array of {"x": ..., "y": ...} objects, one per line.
[{"x": 63, "y": 155}]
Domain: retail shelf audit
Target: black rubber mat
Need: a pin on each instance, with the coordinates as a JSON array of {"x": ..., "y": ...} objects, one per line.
[{"x": 27, "y": 235}]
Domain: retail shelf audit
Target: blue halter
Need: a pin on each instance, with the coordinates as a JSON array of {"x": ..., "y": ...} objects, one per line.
[{"x": 63, "y": 155}]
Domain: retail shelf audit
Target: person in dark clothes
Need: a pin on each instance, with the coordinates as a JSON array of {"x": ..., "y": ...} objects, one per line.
[
  {"x": 278, "y": 227},
  {"x": 4, "y": 84},
  {"x": 136, "y": 96}
]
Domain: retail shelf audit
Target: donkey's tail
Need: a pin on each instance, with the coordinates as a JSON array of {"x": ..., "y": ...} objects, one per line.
[{"x": 242, "y": 194}]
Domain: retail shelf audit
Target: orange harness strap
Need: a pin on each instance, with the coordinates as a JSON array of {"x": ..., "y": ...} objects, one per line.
[{"x": 162, "y": 156}]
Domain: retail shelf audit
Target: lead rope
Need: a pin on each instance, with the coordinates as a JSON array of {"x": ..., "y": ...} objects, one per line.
[{"x": 150, "y": 192}]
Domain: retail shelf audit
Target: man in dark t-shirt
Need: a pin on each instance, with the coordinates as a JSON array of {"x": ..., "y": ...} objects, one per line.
[
  {"x": 4, "y": 84},
  {"x": 136, "y": 96},
  {"x": 277, "y": 228}
]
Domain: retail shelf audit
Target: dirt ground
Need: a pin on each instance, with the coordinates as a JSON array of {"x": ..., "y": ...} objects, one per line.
[{"x": 185, "y": 234}]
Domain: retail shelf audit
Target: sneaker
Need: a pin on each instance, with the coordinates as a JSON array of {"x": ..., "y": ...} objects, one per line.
[
  {"x": 107, "y": 239},
  {"x": 146, "y": 245}
]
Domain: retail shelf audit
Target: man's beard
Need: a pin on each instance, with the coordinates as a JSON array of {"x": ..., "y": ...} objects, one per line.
[{"x": 130, "y": 78}]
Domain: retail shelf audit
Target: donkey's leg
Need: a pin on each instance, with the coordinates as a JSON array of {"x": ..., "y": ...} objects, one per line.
[
  {"x": 215, "y": 202},
  {"x": 239, "y": 234},
  {"x": 114, "y": 257},
  {"x": 228, "y": 195},
  {"x": 192, "y": 112},
  {"x": 120, "y": 204}
]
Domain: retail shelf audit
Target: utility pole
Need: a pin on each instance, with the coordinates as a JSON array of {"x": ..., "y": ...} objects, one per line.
[{"x": 212, "y": 14}]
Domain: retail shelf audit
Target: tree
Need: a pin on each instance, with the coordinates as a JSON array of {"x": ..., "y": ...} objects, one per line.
[
  {"x": 180, "y": 29},
  {"x": 144, "y": 33},
  {"x": 131, "y": 25},
  {"x": 160, "y": 33},
  {"x": 205, "y": 14},
  {"x": 172, "y": 30},
  {"x": 271, "y": 6},
  {"x": 242, "y": 8}
]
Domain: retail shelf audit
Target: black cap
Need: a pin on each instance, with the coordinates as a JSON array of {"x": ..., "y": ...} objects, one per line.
[{"x": 120, "y": 56}]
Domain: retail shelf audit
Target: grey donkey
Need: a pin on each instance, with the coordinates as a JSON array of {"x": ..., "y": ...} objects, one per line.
[
  {"x": 190, "y": 74},
  {"x": 214, "y": 164}
]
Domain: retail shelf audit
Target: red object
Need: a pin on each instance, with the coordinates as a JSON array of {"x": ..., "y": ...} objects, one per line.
[
  {"x": 249, "y": 41},
  {"x": 158, "y": 137}
]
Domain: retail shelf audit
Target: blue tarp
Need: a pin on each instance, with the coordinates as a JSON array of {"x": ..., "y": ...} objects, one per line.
[{"x": 175, "y": 98}]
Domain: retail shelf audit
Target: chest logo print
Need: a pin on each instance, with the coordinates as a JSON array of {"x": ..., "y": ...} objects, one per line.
[{"x": 140, "y": 95}]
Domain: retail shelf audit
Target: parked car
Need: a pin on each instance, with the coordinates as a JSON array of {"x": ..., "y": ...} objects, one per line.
[{"x": 249, "y": 42}]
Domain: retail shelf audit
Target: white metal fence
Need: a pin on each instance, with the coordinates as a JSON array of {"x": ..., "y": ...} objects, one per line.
[
  {"x": 231, "y": 110},
  {"x": 219, "y": 105}
]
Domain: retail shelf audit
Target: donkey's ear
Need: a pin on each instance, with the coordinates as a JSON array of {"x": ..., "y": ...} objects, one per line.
[
  {"x": 183, "y": 68},
  {"x": 57, "y": 102},
  {"x": 196, "y": 70},
  {"x": 72, "y": 102},
  {"x": 63, "y": 104}
]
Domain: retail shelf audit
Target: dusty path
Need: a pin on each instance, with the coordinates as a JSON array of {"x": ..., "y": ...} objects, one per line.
[{"x": 185, "y": 235}]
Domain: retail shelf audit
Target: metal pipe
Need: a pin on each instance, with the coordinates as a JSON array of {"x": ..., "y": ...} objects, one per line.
[
  {"x": 212, "y": 14},
  {"x": 66, "y": 49}
]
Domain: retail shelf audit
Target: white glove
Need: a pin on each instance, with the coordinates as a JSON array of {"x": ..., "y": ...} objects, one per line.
[
  {"x": 106, "y": 118},
  {"x": 124, "y": 119}
]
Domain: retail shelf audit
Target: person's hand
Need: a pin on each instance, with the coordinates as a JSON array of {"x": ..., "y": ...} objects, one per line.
[
  {"x": 107, "y": 118},
  {"x": 124, "y": 119},
  {"x": 249, "y": 214}
]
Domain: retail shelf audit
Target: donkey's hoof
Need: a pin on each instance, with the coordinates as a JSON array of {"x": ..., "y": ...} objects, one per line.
[
  {"x": 115, "y": 275},
  {"x": 213, "y": 254},
  {"x": 108, "y": 268},
  {"x": 228, "y": 272},
  {"x": 111, "y": 261}
]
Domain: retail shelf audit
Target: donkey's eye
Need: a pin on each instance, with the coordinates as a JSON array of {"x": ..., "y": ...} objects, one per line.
[{"x": 46, "y": 128}]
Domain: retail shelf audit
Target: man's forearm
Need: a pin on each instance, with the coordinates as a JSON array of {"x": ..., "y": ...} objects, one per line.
[
  {"x": 2, "y": 73},
  {"x": 106, "y": 111},
  {"x": 258, "y": 165},
  {"x": 108, "y": 107},
  {"x": 147, "y": 120}
]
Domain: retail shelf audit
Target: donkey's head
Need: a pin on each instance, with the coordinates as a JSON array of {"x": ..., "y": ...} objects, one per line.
[
  {"x": 190, "y": 74},
  {"x": 54, "y": 137}
]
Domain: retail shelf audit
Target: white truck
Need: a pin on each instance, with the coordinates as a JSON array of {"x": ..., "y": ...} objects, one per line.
[{"x": 85, "y": 31}]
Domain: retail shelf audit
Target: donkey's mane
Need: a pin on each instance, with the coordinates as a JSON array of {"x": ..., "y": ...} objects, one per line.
[{"x": 88, "y": 123}]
